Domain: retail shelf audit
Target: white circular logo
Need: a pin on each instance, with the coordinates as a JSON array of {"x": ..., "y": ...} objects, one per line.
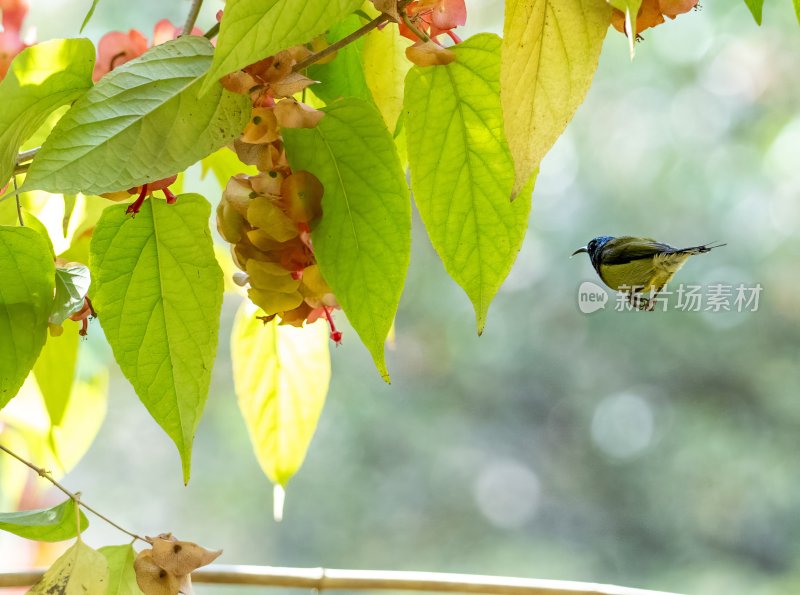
[{"x": 591, "y": 297}]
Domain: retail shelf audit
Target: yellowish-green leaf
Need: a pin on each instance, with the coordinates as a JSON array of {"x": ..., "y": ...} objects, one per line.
[
  {"x": 385, "y": 68},
  {"x": 461, "y": 169},
  {"x": 55, "y": 370},
  {"x": 281, "y": 375},
  {"x": 549, "y": 56},
  {"x": 13, "y": 476},
  {"x": 79, "y": 571},
  {"x": 121, "y": 576},
  {"x": 58, "y": 448},
  {"x": 85, "y": 412}
]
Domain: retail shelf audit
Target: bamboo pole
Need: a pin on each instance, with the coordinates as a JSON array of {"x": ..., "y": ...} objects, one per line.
[{"x": 376, "y": 580}]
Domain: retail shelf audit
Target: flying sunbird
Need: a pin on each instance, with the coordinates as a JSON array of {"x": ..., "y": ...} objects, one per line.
[{"x": 638, "y": 265}]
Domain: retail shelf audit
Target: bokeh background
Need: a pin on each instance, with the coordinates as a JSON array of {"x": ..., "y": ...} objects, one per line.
[{"x": 657, "y": 450}]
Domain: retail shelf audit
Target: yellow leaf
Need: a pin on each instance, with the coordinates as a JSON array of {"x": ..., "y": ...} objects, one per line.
[
  {"x": 385, "y": 69},
  {"x": 549, "y": 56},
  {"x": 281, "y": 375},
  {"x": 80, "y": 571}
]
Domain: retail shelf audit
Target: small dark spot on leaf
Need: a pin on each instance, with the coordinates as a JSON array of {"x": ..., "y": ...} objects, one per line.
[{"x": 176, "y": 548}]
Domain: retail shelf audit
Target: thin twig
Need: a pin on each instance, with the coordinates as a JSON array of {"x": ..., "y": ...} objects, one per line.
[
  {"x": 410, "y": 24},
  {"x": 373, "y": 24},
  {"x": 375, "y": 580},
  {"x": 19, "y": 206},
  {"x": 212, "y": 33},
  {"x": 376, "y": 22},
  {"x": 191, "y": 19},
  {"x": 46, "y": 475},
  {"x": 27, "y": 155}
]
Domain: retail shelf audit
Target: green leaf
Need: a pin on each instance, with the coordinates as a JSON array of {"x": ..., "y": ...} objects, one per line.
[
  {"x": 89, "y": 15},
  {"x": 69, "y": 207},
  {"x": 281, "y": 374},
  {"x": 630, "y": 8},
  {"x": 756, "y": 7},
  {"x": 121, "y": 577},
  {"x": 41, "y": 78},
  {"x": 79, "y": 571},
  {"x": 549, "y": 55},
  {"x": 385, "y": 69},
  {"x": 344, "y": 76},
  {"x": 461, "y": 169},
  {"x": 27, "y": 282},
  {"x": 46, "y": 524},
  {"x": 797, "y": 9},
  {"x": 55, "y": 371},
  {"x": 143, "y": 121},
  {"x": 72, "y": 285},
  {"x": 251, "y": 30},
  {"x": 363, "y": 240},
  {"x": 157, "y": 291},
  {"x": 71, "y": 438}
]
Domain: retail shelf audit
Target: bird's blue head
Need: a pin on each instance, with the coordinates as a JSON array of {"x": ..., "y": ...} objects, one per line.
[{"x": 593, "y": 248}]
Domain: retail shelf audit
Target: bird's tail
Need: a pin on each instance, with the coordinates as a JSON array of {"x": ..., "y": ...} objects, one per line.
[{"x": 702, "y": 249}]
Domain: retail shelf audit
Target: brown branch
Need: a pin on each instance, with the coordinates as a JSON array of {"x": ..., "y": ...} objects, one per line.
[
  {"x": 46, "y": 475},
  {"x": 211, "y": 33},
  {"x": 19, "y": 205},
  {"x": 374, "y": 23},
  {"x": 27, "y": 155},
  {"x": 191, "y": 18},
  {"x": 322, "y": 579}
]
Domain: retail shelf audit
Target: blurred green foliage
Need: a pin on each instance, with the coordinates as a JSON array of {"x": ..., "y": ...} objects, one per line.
[{"x": 646, "y": 449}]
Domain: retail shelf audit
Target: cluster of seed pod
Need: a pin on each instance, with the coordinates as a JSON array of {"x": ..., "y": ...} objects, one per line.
[{"x": 267, "y": 218}]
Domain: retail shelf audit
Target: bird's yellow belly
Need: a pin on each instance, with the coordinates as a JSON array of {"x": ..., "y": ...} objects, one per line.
[{"x": 644, "y": 275}]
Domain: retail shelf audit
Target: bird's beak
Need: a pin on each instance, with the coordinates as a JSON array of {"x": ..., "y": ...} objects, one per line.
[{"x": 579, "y": 250}]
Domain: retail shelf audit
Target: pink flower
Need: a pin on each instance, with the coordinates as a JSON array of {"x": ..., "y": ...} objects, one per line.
[
  {"x": 116, "y": 48},
  {"x": 14, "y": 12},
  {"x": 11, "y": 43}
]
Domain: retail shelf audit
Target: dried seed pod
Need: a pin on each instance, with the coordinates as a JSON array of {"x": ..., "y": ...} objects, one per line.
[{"x": 181, "y": 557}]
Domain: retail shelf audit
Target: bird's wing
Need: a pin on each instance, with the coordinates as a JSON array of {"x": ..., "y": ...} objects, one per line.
[{"x": 626, "y": 249}]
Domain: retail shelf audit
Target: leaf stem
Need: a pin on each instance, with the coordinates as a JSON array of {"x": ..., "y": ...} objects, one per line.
[
  {"x": 212, "y": 33},
  {"x": 373, "y": 24},
  {"x": 19, "y": 206},
  {"x": 27, "y": 155},
  {"x": 414, "y": 29},
  {"x": 75, "y": 496},
  {"x": 191, "y": 19}
]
